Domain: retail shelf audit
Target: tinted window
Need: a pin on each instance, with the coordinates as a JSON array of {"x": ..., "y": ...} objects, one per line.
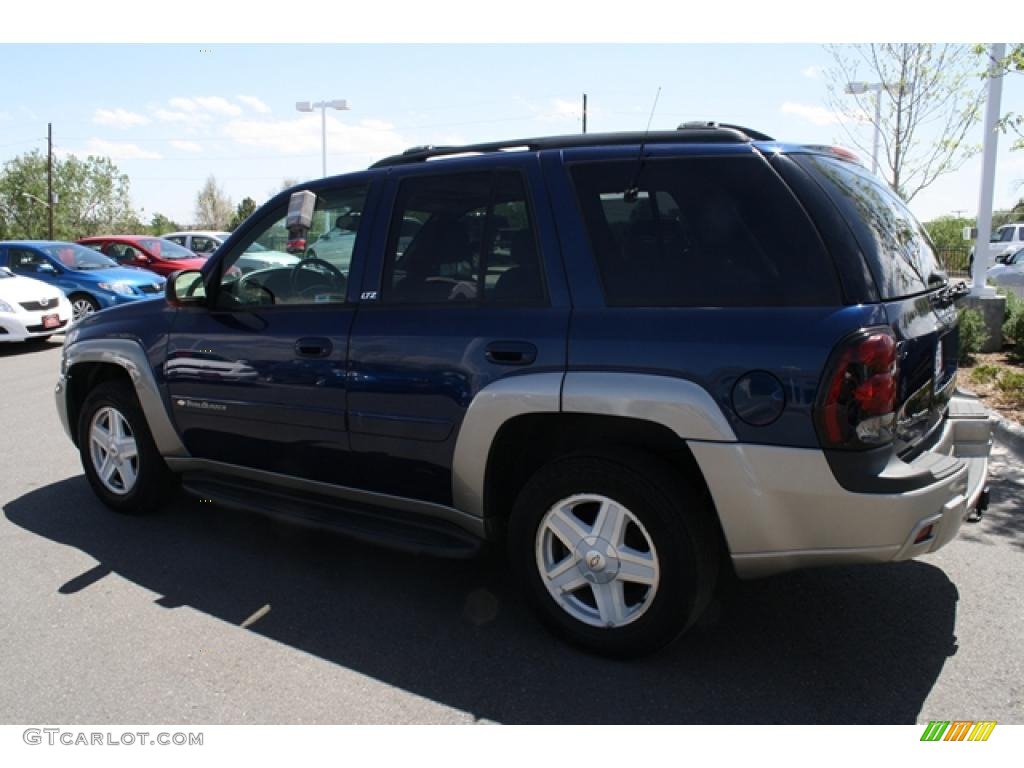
[
  {"x": 463, "y": 238},
  {"x": 297, "y": 276},
  {"x": 702, "y": 232},
  {"x": 24, "y": 260},
  {"x": 899, "y": 251}
]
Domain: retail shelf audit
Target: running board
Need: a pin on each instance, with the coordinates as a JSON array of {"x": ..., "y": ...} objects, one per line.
[{"x": 394, "y": 529}]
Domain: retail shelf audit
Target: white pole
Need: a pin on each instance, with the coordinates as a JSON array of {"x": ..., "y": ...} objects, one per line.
[
  {"x": 323, "y": 135},
  {"x": 878, "y": 127},
  {"x": 988, "y": 171}
]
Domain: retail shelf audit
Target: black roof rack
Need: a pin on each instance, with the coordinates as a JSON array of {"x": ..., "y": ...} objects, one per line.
[{"x": 703, "y": 132}]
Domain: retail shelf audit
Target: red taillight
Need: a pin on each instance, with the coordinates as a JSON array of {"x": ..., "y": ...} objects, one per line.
[{"x": 857, "y": 406}]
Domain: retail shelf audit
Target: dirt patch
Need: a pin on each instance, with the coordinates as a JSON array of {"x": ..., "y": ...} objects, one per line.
[{"x": 1008, "y": 404}]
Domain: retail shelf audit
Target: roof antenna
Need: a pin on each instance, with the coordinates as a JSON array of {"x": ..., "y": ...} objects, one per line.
[{"x": 633, "y": 191}]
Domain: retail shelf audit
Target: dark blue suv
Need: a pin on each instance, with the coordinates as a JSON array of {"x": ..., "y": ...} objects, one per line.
[{"x": 635, "y": 359}]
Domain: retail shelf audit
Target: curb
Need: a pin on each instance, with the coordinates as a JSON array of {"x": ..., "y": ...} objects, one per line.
[{"x": 1009, "y": 433}]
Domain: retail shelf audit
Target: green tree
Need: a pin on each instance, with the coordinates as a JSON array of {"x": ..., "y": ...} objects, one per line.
[
  {"x": 930, "y": 98},
  {"x": 948, "y": 231},
  {"x": 245, "y": 209},
  {"x": 161, "y": 224},
  {"x": 92, "y": 197},
  {"x": 213, "y": 207}
]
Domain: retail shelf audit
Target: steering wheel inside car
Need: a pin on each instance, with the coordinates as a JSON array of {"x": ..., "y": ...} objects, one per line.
[{"x": 337, "y": 282}]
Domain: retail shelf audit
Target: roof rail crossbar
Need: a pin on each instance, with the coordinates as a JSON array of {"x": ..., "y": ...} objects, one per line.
[{"x": 710, "y": 133}]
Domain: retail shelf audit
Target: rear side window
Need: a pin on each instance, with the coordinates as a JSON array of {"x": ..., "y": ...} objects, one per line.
[
  {"x": 714, "y": 232},
  {"x": 463, "y": 237},
  {"x": 899, "y": 252}
]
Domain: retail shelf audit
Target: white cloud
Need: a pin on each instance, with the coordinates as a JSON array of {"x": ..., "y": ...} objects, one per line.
[
  {"x": 182, "y": 104},
  {"x": 186, "y": 146},
  {"x": 813, "y": 114},
  {"x": 253, "y": 103},
  {"x": 119, "y": 150},
  {"x": 367, "y": 140},
  {"x": 377, "y": 125},
  {"x": 119, "y": 118},
  {"x": 813, "y": 72},
  {"x": 167, "y": 116},
  {"x": 218, "y": 105}
]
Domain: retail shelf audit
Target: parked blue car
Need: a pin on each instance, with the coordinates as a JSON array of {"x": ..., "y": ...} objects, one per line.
[{"x": 90, "y": 280}]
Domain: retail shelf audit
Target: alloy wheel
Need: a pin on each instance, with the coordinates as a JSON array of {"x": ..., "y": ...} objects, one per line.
[
  {"x": 113, "y": 450},
  {"x": 597, "y": 560}
]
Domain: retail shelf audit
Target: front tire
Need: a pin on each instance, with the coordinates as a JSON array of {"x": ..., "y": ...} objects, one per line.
[
  {"x": 82, "y": 305},
  {"x": 616, "y": 556},
  {"x": 118, "y": 454}
]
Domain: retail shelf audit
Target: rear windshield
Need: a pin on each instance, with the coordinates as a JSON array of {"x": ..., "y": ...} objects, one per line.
[
  {"x": 898, "y": 250},
  {"x": 701, "y": 231}
]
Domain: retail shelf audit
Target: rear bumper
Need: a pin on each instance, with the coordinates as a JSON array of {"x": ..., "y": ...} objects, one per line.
[{"x": 782, "y": 508}]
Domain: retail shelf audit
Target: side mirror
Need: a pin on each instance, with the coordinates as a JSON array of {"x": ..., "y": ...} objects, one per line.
[
  {"x": 142, "y": 258},
  {"x": 185, "y": 288},
  {"x": 47, "y": 268}
]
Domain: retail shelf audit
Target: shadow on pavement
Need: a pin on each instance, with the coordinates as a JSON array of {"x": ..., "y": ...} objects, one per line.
[
  {"x": 1005, "y": 516},
  {"x": 850, "y": 645},
  {"x": 15, "y": 348}
]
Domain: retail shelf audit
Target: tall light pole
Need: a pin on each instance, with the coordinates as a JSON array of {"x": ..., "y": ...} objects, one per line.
[
  {"x": 307, "y": 106},
  {"x": 988, "y": 171},
  {"x": 857, "y": 88}
]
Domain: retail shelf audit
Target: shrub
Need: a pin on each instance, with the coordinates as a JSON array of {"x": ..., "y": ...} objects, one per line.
[
  {"x": 972, "y": 334},
  {"x": 1011, "y": 383},
  {"x": 1014, "y": 326},
  {"x": 985, "y": 374}
]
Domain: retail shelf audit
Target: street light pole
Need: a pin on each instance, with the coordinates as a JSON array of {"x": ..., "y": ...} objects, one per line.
[
  {"x": 49, "y": 176},
  {"x": 858, "y": 88},
  {"x": 306, "y": 106},
  {"x": 988, "y": 172},
  {"x": 878, "y": 128}
]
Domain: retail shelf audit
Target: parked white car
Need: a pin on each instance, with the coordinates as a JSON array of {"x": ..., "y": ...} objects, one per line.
[
  {"x": 204, "y": 243},
  {"x": 1004, "y": 241},
  {"x": 200, "y": 242},
  {"x": 30, "y": 309},
  {"x": 1010, "y": 273}
]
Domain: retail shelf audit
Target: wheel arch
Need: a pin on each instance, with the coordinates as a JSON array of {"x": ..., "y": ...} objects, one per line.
[
  {"x": 515, "y": 425},
  {"x": 92, "y": 362}
]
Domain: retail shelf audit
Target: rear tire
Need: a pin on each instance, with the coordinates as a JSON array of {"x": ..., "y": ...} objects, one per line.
[
  {"x": 617, "y": 555},
  {"x": 118, "y": 454}
]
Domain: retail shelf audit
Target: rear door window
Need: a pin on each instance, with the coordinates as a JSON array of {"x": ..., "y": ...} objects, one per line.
[
  {"x": 701, "y": 231},
  {"x": 898, "y": 250},
  {"x": 464, "y": 237}
]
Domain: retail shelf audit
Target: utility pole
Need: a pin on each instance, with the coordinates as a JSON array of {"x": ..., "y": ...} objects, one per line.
[
  {"x": 49, "y": 177},
  {"x": 584, "y": 113}
]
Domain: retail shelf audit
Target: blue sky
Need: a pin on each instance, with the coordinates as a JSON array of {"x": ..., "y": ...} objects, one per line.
[{"x": 171, "y": 114}]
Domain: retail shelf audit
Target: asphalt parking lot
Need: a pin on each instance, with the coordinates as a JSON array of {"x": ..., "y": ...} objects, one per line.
[{"x": 204, "y": 615}]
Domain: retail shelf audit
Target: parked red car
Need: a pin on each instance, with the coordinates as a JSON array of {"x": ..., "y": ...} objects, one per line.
[{"x": 152, "y": 253}]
